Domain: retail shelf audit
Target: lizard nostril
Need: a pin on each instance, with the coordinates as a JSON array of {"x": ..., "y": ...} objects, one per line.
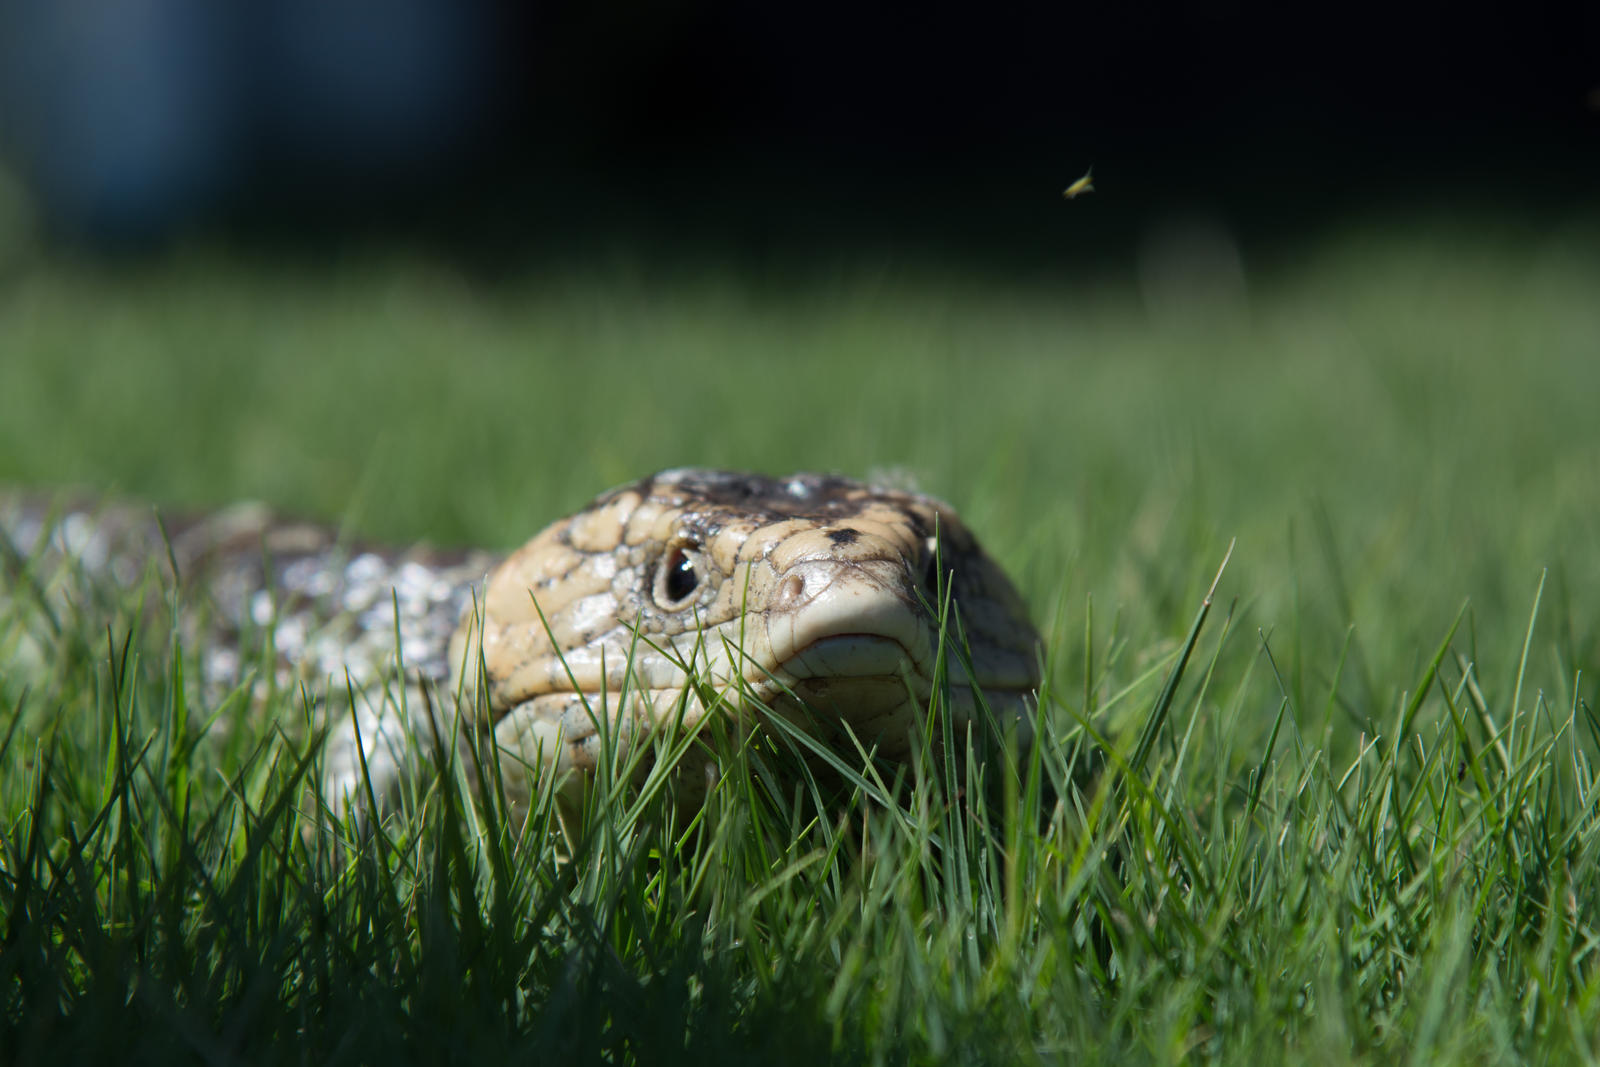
[{"x": 792, "y": 589}]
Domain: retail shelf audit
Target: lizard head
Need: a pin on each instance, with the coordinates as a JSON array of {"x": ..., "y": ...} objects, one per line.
[{"x": 811, "y": 596}]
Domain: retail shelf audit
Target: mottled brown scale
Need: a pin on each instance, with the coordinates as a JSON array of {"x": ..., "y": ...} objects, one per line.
[{"x": 810, "y": 585}]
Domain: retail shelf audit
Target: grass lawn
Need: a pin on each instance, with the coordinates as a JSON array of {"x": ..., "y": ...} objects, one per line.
[{"x": 1361, "y": 826}]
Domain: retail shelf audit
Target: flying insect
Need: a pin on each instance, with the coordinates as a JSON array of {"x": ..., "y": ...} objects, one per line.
[{"x": 1083, "y": 185}]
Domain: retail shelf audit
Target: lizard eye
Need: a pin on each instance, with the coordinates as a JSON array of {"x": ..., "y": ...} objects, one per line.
[{"x": 677, "y": 579}]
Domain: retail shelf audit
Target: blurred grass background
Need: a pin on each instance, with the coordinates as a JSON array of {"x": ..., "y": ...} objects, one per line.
[
  {"x": 445, "y": 270},
  {"x": 1390, "y": 421}
]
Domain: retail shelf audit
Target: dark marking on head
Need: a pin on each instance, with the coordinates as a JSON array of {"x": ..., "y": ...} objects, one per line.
[
  {"x": 754, "y": 495},
  {"x": 844, "y": 535}
]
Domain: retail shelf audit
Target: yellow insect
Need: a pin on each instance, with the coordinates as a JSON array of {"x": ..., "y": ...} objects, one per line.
[{"x": 1083, "y": 185}]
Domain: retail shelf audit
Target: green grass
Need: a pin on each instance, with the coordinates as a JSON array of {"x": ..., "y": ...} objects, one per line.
[{"x": 1360, "y": 826}]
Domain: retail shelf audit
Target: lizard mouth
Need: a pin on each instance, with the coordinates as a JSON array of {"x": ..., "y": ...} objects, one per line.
[
  {"x": 850, "y": 655},
  {"x": 868, "y": 683},
  {"x": 846, "y": 620},
  {"x": 852, "y": 651}
]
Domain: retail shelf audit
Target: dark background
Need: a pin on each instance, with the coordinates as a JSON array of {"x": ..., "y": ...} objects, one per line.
[{"x": 502, "y": 131}]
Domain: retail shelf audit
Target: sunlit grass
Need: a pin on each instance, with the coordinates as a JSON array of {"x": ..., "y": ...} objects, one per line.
[
  {"x": 1179, "y": 887},
  {"x": 1360, "y": 826}
]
